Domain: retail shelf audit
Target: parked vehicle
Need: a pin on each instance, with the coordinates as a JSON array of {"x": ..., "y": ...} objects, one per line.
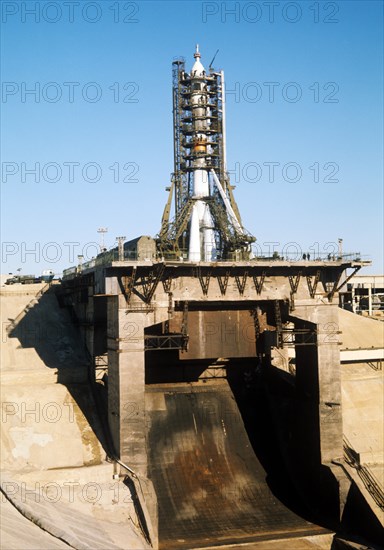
[
  {"x": 46, "y": 277},
  {"x": 23, "y": 279}
]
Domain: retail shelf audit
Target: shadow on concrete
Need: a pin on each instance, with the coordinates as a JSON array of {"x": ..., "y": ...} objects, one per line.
[
  {"x": 50, "y": 331},
  {"x": 248, "y": 384},
  {"x": 165, "y": 367},
  {"x": 361, "y": 523},
  {"x": 268, "y": 402}
]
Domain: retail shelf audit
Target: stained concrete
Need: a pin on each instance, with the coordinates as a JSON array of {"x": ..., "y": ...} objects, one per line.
[
  {"x": 53, "y": 463},
  {"x": 83, "y": 507},
  {"x": 211, "y": 487},
  {"x": 62, "y": 360}
]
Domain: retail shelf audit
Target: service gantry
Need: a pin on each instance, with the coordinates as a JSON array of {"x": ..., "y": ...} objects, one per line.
[{"x": 206, "y": 225}]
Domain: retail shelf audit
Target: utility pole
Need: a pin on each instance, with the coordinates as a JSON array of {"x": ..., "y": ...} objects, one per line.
[{"x": 102, "y": 231}]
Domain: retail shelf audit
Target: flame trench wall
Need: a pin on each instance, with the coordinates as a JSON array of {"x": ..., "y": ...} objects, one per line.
[
  {"x": 211, "y": 488},
  {"x": 151, "y": 412}
]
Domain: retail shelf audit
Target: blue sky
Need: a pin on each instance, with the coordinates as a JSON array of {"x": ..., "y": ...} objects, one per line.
[{"x": 304, "y": 89}]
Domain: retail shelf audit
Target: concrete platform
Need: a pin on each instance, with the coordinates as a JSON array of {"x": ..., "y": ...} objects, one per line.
[{"x": 212, "y": 489}]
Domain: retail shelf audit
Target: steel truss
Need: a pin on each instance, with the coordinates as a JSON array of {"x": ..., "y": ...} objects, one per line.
[{"x": 174, "y": 234}]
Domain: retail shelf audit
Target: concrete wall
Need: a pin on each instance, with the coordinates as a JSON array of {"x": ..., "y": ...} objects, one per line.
[
  {"x": 324, "y": 362},
  {"x": 129, "y": 312},
  {"x": 318, "y": 432}
]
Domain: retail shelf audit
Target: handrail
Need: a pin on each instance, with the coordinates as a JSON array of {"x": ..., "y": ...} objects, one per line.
[{"x": 258, "y": 256}]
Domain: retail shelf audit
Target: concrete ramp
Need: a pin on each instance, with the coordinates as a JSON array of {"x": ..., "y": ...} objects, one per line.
[
  {"x": 211, "y": 488},
  {"x": 362, "y": 339},
  {"x": 360, "y": 332}
]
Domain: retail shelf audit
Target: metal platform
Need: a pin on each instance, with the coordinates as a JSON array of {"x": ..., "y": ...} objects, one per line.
[{"x": 211, "y": 488}]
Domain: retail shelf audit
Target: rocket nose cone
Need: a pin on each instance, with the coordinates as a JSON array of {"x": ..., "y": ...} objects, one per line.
[{"x": 197, "y": 69}]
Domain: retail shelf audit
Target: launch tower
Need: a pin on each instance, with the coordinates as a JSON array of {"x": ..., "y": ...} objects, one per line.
[{"x": 206, "y": 225}]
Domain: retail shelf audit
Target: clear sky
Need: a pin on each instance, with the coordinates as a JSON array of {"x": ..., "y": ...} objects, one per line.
[{"x": 304, "y": 121}]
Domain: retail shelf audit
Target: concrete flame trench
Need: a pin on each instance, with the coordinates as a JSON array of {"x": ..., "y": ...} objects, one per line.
[{"x": 170, "y": 330}]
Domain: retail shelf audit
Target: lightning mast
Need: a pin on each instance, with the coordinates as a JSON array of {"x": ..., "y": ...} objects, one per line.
[{"x": 207, "y": 224}]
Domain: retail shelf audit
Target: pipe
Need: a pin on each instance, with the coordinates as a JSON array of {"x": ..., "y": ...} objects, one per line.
[{"x": 228, "y": 206}]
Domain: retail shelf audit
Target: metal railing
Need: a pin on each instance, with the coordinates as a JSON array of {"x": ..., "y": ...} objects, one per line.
[
  {"x": 256, "y": 255},
  {"x": 280, "y": 257}
]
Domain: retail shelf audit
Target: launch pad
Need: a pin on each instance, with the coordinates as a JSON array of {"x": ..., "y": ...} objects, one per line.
[
  {"x": 154, "y": 328},
  {"x": 170, "y": 320}
]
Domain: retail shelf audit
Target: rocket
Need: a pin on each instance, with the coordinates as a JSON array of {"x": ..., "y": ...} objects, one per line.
[
  {"x": 207, "y": 225},
  {"x": 202, "y": 244}
]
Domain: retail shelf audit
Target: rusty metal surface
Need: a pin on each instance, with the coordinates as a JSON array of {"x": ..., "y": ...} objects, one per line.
[
  {"x": 211, "y": 488},
  {"x": 218, "y": 333}
]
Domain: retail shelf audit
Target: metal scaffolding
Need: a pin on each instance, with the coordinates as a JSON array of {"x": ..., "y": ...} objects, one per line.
[{"x": 200, "y": 136}]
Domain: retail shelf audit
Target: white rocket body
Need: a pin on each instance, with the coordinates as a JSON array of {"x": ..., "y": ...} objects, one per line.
[{"x": 202, "y": 246}]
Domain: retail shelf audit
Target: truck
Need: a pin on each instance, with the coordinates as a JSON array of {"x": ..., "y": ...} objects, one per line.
[
  {"x": 46, "y": 277},
  {"x": 23, "y": 279}
]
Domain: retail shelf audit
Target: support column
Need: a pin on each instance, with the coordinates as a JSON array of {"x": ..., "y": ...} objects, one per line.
[
  {"x": 318, "y": 374},
  {"x": 319, "y": 430},
  {"x": 126, "y": 405},
  {"x": 89, "y": 323},
  {"x": 126, "y": 384},
  {"x": 370, "y": 300}
]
